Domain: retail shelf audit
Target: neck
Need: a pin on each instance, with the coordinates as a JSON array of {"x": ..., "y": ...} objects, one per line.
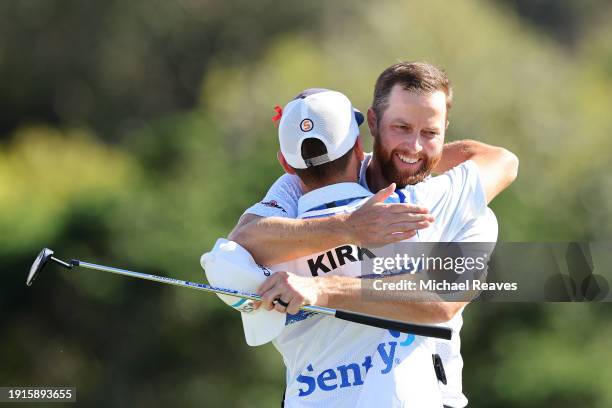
[
  {"x": 345, "y": 178},
  {"x": 374, "y": 176}
]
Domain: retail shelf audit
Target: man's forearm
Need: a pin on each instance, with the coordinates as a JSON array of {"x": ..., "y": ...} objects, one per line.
[
  {"x": 455, "y": 153},
  {"x": 341, "y": 292},
  {"x": 275, "y": 239},
  {"x": 498, "y": 166}
]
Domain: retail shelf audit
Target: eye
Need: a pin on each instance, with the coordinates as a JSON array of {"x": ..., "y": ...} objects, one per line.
[{"x": 430, "y": 134}]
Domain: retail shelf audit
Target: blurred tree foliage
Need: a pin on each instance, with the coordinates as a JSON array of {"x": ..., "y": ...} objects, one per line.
[
  {"x": 114, "y": 64},
  {"x": 565, "y": 20},
  {"x": 135, "y": 133}
]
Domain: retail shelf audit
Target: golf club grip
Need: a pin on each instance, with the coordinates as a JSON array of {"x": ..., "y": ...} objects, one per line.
[{"x": 417, "y": 329}]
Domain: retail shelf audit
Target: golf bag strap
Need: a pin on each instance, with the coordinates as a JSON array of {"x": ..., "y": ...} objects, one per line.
[{"x": 439, "y": 368}]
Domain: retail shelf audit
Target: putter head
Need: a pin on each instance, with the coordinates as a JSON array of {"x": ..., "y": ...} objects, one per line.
[{"x": 39, "y": 263}]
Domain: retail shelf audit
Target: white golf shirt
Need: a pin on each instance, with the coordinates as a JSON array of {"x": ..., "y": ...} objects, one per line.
[{"x": 456, "y": 199}]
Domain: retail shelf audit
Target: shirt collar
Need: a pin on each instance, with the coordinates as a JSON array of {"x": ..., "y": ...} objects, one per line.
[
  {"x": 363, "y": 180},
  {"x": 330, "y": 194}
]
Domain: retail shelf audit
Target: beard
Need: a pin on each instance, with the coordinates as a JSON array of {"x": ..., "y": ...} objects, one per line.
[{"x": 403, "y": 177}]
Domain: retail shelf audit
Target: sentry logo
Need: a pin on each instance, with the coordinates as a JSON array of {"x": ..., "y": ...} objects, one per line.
[{"x": 352, "y": 374}]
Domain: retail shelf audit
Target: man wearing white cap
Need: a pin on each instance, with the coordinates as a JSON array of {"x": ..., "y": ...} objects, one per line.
[
  {"x": 329, "y": 362},
  {"x": 408, "y": 119}
]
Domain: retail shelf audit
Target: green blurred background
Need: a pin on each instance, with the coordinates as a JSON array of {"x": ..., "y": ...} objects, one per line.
[{"x": 134, "y": 133}]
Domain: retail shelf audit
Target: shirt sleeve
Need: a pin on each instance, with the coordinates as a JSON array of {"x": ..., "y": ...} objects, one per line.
[
  {"x": 281, "y": 200},
  {"x": 455, "y": 198},
  {"x": 480, "y": 229}
]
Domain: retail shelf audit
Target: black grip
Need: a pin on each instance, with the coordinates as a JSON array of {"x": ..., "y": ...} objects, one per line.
[{"x": 411, "y": 328}]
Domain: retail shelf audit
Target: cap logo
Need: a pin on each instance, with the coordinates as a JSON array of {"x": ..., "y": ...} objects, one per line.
[{"x": 306, "y": 125}]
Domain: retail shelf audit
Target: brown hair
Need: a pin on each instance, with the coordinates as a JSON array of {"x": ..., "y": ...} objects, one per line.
[{"x": 418, "y": 77}]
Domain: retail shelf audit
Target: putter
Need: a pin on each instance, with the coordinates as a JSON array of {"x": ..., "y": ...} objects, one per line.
[{"x": 439, "y": 332}]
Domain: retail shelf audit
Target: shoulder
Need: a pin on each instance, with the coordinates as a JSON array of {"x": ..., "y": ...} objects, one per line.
[
  {"x": 458, "y": 175},
  {"x": 481, "y": 229},
  {"x": 281, "y": 200},
  {"x": 457, "y": 185},
  {"x": 290, "y": 183}
]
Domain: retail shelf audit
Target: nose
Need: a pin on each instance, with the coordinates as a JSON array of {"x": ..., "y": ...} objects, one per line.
[{"x": 412, "y": 144}]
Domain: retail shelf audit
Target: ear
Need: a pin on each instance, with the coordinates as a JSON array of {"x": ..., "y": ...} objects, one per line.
[
  {"x": 372, "y": 121},
  {"x": 359, "y": 149},
  {"x": 447, "y": 123},
  {"x": 281, "y": 159}
]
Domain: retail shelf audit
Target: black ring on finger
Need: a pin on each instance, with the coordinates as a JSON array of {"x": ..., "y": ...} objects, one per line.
[{"x": 281, "y": 302}]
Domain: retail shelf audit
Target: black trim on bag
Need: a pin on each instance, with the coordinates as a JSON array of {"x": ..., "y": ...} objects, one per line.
[{"x": 439, "y": 368}]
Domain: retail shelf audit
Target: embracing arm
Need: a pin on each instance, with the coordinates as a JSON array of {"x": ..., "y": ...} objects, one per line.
[
  {"x": 498, "y": 166},
  {"x": 347, "y": 293},
  {"x": 273, "y": 240},
  {"x": 341, "y": 292}
]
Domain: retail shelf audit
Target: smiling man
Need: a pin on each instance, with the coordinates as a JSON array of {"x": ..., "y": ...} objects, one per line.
[{"x": 408, "y": 120}]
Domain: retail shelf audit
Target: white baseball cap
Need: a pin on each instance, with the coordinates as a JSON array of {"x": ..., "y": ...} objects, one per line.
[
  {"x": 321, "y": 114},
  {"x": 230, "y": 266}
]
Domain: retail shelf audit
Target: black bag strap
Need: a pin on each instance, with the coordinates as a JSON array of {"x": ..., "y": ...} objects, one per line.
[{"x": 439, "y": 368}]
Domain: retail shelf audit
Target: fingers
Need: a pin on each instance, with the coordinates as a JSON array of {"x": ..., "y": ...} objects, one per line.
[
  {"x": 295, "y": 304},
  {"x": 407, "y": 208},
  {"x": 407, "y": 217},
  {"x": 402, "y": 231},
  {"x": 268, "y": 283},
  {"x": 381, "y": 196},
  {"x": 399, "y": 236},
  {"x": 285, "y": 298},
  {"x": 276, "y": 287},
  {"x": 286, "y": 287},
  {"x": 380, "y": 232},
  {"x": 268, "y": 298},
  {"x": 409, "y": 226}
]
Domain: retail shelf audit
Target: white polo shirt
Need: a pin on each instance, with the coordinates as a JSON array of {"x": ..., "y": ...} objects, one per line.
[
  {"x": 453, "y": 198},
  {"x": 457, "y": 201},
  {"x": 334, "y": 363},
  {"x": 481, "y": 229}
]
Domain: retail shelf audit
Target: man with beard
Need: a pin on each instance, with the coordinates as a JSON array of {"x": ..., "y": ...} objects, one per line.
[{"x": 408, "y": 119}]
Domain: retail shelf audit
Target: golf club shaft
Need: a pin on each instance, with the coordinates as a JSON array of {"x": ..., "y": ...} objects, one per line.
[
  {"x": 417, "y": 329},
  {"x": 60, "y": 262}
]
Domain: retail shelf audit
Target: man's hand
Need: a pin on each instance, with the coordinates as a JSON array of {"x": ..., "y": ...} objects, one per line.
[
  {"x": 376, "y": 224},
  {"x": 346, "y": 293},
  {"x": 274, "y": 240},
  {"x": 292, "y": 289}
]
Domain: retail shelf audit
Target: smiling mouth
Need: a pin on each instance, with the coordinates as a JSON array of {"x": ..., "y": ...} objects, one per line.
[{"x": 407, "y": 159}]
